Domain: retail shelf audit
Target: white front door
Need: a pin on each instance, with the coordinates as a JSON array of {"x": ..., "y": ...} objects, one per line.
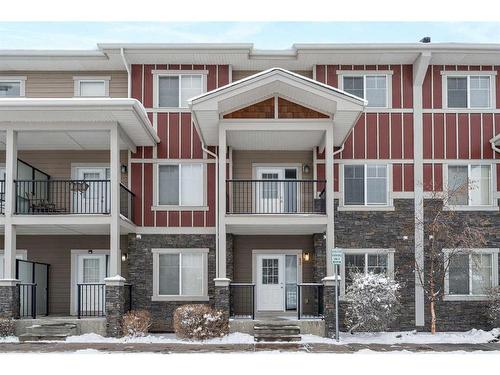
[
  {"x": 270, "y": 193},
  {"x": 270, "y": 282},
  {"x": 91, "y": 272},
  {"x": 94, "y": 195}
]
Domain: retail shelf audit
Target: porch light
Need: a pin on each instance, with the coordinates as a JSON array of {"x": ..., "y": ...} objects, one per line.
[
  {"x": 306, "y": 257},
  {"x": 90, "y": 251},
  {"x": 306, "y": 169},
  {"x": 124, "y": 257}
]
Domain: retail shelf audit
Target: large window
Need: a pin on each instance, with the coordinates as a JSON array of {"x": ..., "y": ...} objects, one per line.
[
  {"x": 469, "y": 185},
  {"x": 175, "y": 90},
  {"x": 471, "y": 273},
  {"x": 11, "y": 88},
  {"x": 180, "y": 184},
  {"x": 366, "y": 184},
  {"x": 180, "y": 273},
  {"x": 469, "y": 91},
  {"x": 378, "y": 261},
  {"x": 373, "y": 88}
]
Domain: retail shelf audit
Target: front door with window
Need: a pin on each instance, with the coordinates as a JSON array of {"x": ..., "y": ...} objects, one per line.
[
  {"x": 91, "y": 272},
  {"x": 277, "y": 190},
  {"x": 93, "y": 196}
]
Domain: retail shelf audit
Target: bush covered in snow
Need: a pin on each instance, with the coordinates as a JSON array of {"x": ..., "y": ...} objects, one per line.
[
  {"x": 7, "y": 327},
  {"x": 199, "y": 322},
  {"x": 372, "y": 302},
  {"x": 136, "y": 323},
  {"x": 494, "y": 306}
]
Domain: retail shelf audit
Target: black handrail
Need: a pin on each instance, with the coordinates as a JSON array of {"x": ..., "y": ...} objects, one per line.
[
  {"x": 27, "y": 300},
  {"x": 91, "y": 299},
  {"x": 242, "y": 300},
  {"x": 310, "y": 301},
  {"x": 56, "y": 197},
  {"x": 275, "y": 196},
  {"x": 127, "y": 199},
  {"x": 2, "y": 197}
]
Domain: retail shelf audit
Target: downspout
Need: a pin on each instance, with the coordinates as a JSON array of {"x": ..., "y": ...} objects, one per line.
[
  {"x": 495, "y": 147},
  {"x": 129, "y": 74}
]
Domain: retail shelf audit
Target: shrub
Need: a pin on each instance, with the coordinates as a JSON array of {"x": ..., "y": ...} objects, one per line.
[
  {"x": 494, "y": 306},
  {"x": 7, "y": 327},
  {"x": 136, "y": 323},
  {"x": 199, "y": 322},
  {"x": 372, "y": 302}
]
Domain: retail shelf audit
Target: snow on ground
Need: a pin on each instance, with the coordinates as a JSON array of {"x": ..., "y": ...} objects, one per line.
[
  {"x": 233, "y": 338},
  {"x": 474, "y": 336},
  {"x": 8, "y": 339}
]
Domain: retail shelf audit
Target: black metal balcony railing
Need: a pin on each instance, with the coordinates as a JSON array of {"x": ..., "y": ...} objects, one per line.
[
  {"x": 309, "y": 301},
  {"x": 27, "y": 300},
  {"x": 275, "y": 196},
  {"x": 127, "y": 202},
  {"x": 242, "y": 300},
  {"x": 91, "y": 300}
]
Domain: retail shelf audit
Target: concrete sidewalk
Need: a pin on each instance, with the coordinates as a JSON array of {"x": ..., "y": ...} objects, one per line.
[{"x": 52, "y": 347}]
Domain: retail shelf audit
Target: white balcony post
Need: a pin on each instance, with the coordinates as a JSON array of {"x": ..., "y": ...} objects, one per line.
[
  {"x": 114, "y": 233},
  {"x": 10, "y": 204},
  {"x": 221, "y": 248},
  {"x": 330, "y": 202}
]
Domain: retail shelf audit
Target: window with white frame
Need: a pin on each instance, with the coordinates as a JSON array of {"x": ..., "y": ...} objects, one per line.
[
  {"x": 180, "y": 272},
  {"x": 469, "y": 185},
  {"x": 471, "y": 272},
  {"x": 175, "y": 90},
  {"x": 378, "y": 261},
  {"x": 91, "y": 88},
  {"x": 180, "y": 184},
  {"x": 469, "y": 91},
  {"x": 373, "y": 88},
  {"x": 366, "y": 184},
  {"x": 11, "y": 87}
]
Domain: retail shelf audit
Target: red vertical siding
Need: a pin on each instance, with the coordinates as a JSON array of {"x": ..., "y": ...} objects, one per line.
[
  {"x": 148, "y": 194},
  {"x": 463, "y": 136},
  {"x": 331, "y": 75},
  {"x": 211, "y": 77},
  {"x": 320, "y": 175},
  {"x": 186, "y": 219},
  {"x": 371, "y": 136},
  {"x": 320, "y": 73},
  {"x": 497, "y": 68},
  {"x": 359, "y": 136},
  {"x": 438, "y": 177},
  {"x": 197, "y": 150},
  {"x": 407, "y": 86},
  {"x": 427, "y": 90},
  {"x": 162, "y": 133},
  {"x": 383, "y": 136},
  {"x": 408, "y": 135},
  {"x": 185, "y": 135},
  {"x": 198, "y": 218},
  {"x": 439, "y": 136},
  {"x": 210, "y": 215},
  {"x": 223, "y": 75},
  {"x": 487, "y": 135},
  {"x": 396, "y": 136},
  {"x": 136, "y": 180},
  {"x": 161, "y": 218},
  {"x": 396, "y": 86},
  {"x": 436, "y": 84},
  {"x": 475, "y": 136},
  {"x": 173, "y": 139},
  {"x": 408, "y": 177},
  {"x": 428, "y": 177},
  {"x": 397, "y": 177},
  {"x": 347, "y": 153},
  {"x": 148, "y": 86},
  {"x": 136, "y": 79},
  {"x": 427, "y": 136},
  {"x": 451, "y": 136},
  {"x": 173, "y": 219},
  {"x": 336, "y": 177}
]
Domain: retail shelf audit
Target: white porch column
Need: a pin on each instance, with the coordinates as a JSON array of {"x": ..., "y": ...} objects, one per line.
[
  {"x": 330, "y": 202},
  {"x": 10, "y": 204},
  {"x": 221, "y": 248},
  {"x": 114, "y": 233}
]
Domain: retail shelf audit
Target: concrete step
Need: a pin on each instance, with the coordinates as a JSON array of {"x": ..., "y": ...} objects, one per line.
[
  {"x": 261, "y": 331},
  {"x": 45, "y": 331},
  {"x": 34, "y": 337},
  {"x": 292, "y": 338},
  {"x": 276, "y": 332}
]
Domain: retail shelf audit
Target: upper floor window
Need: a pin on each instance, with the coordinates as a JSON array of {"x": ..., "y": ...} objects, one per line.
[
  {"x": 12, "y": 87},
  {"x": 372, "y": 87},
  {"x": 174, "y": 90},
  {"x": 469, "y": 91},
  {"x": 91, "y": 87},
  {"x": 366, "y": 184},
  {"x": 469, "y": 185},
  {"x": 180, "y": 184}
]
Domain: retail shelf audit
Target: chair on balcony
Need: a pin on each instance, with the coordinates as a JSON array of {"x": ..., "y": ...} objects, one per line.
[{"x": 39, "y": 205}]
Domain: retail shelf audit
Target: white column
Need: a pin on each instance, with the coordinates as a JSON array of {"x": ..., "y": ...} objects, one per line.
[
  {"x": 114, "y": 233},
  {"x": 10, "y": 204},
  {"x": 221, "y": 248},
  {"x": 330, "y": 202}
]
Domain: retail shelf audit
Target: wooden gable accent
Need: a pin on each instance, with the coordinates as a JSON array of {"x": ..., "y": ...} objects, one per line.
[{"x": 265, "y": 109}]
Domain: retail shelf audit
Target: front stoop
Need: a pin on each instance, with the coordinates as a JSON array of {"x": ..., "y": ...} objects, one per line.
[
  {"x": 276, "y": 332},
  {"x": 49, "y": 331}
]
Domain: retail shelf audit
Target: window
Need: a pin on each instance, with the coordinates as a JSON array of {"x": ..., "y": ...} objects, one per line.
[
  {"x": 175, "y": 90},
  {"x": 365, "y": 184},
  {"x": 471, "y": 273},
  {"x": 180, "y": 273},
  {"x": 468, "y": 91},
  {"x": 180, "y": 185},
  {"x": 91, "y": 87},
  {"x": 379, "y": 261},
  {"x": 469, "y": 185},
  {"x": 373, "y": 88},
  {"x": 12, "y": 87}
]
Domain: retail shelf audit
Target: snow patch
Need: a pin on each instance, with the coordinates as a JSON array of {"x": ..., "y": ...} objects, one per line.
[
  {"x": 233, "y": 338},
  {"x": 8, "y": 340}
]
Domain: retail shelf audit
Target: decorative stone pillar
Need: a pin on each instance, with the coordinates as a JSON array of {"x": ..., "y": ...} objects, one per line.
[
  {"x": 221, "y": 301},
  {"x": 9, "y": 299},
  {"x": 115, "y": 305},
  {"x": 329, "y": 305},
  {"x": 319, "y": 257}
]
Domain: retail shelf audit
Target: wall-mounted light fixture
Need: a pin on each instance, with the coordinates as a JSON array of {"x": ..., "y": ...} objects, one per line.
[
  {"x": 306, "y": 256},
  {"x": 306, "y": 169},
  {"x": 124, "y": 168},
  {"x": 90, "y": 251},
  {"x": 405, "y": 238},
  {"x": 138, "y": 236},
  {"x": 124, "y": 257}
]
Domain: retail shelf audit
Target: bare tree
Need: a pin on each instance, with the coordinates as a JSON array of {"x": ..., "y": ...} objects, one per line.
[{"x": 448, "y": 229}]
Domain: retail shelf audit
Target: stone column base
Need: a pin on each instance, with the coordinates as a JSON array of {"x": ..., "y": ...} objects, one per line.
[
  {"x": 221, "y": 300},
  {"x": 9, "y": 299},
  {"x": 115, "y": 306},
  {"x": 329, "y": 306}
]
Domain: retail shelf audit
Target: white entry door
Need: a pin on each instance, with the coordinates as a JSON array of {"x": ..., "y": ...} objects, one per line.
[
  {"x": 92, "y": 197},
  {"x": 91, "y": 272},
  {"x": 270, "y": 193},
  {"x": 270, "y": 282}
]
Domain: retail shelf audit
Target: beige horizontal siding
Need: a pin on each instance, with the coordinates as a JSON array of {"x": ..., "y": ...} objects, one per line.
[
  {"x": 61, "y": 84},
  {"x": 240, "y": 74}
]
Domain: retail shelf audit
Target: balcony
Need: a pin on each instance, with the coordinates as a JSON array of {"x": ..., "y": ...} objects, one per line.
[{"x": 275, "y": 197}]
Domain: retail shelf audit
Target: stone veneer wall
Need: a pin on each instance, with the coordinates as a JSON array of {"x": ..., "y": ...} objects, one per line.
[
  {"x": 9, "y": 301},
  {"x": 140, "y": 267},
  {"x": 465, "y": 315}
]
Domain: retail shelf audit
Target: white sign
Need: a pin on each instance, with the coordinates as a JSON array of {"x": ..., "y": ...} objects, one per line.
[{"x": 336, "y": 256}]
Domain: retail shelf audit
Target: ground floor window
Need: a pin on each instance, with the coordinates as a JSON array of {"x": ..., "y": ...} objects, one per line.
[
  {"x": 179, "y": 274},
  {"x": 471, "y": 273},
  {"x": 364, "y": 261}
]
